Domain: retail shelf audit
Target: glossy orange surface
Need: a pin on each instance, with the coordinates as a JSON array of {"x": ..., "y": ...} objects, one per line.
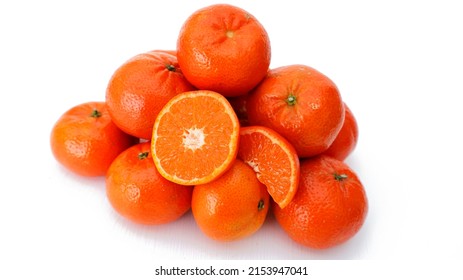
[
  {"x": 347, "y": 138},
  {"x": 232, "y": 207},
  {"x": 223, "y": 48},
  {"x": 330, "y": 205},
  {"x": 85, "y": 140},
  {"x": 140, "y": 194},
  {"x": 139, "y": 89},
  {"x": 301, "y": 104}
]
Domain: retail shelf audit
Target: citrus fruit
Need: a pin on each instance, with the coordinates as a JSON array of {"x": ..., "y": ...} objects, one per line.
[
  {"x": 137, "y": 191},
  {"x": 330, "y": 205},
  {"x": 347, "y": 138},
  {"x": 301, "y": 104},
  {"x": 85, "y": 140},
  {"x": 195, "y": 137},
  {"x": 232, "y": 207},
  {"x": 140, "y": 87},
  {"x": 223, "y": 48},
  {"x": 274, "y": 160}
]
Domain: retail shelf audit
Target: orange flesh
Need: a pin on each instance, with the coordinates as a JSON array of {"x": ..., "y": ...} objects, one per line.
[
  {"x": 195, "y": 138},
  {"x": 273, "y": 159}
]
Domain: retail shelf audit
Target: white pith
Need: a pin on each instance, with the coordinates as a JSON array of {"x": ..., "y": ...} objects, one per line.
[{"x": 193, "y": 138}]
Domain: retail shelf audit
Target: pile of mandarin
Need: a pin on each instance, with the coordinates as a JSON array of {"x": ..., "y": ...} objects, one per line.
[{"x": 209, "y": 127}]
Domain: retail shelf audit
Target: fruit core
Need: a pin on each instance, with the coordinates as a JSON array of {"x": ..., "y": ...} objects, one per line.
[{"x": 193, "y": 138}]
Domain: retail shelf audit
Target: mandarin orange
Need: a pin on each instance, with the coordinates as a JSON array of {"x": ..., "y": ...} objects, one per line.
[
  {"x": 139, "y": 89},
  {"x": 232, "y": 207},
  {"x": 330, "y": 205},
  {"x": 137, "y": 191},
  {"x": 301, "y": 104},
  {"x": 85, "y": 140},
  {"x": 223, "y": 48},
  {"x": 347, "y": 138},
  {"x": 274, "y": 160},
  {"x": 195, "y": 137}
]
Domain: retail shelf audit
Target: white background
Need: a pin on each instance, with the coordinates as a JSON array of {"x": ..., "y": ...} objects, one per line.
[{"x": 398, "y": 65}]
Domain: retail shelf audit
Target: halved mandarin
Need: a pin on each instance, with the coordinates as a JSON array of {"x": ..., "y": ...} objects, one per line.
[
  {"x": 274, "y": 160},
  {"x": 195, "y": 137}
]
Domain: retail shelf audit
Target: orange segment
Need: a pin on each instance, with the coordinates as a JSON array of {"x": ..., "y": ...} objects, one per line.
[
  {"x": 195, "y": 137},
  {"x": 274, "y": 160}
]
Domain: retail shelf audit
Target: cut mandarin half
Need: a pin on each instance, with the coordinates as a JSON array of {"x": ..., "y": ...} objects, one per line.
[
  {"x": 274, "y": 160},
  {"x": 195, "y": 137}
]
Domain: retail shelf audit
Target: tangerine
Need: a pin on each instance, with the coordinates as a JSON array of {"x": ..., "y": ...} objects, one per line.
[
  {"x": 139, "y": 89},
  {"x": 232, "y": 207},
  {"x": 347, "y": 138},
  {"x": 274, "y": 160},
  {"x": 85, "y": 140},
  {"x": 195, "y": 137},
  {"x": 137, "y": 191},
  {"x": 223, "y": 48},
  {"x": 330, "y": 205},
  {"x": 301, "y": 104}
]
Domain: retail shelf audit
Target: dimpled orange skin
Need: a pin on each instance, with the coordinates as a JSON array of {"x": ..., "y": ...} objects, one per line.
[
  {"x": 86, "y": 141},
  {"x": 139, "y": 89},
  {"x": 330, "y": 205},
  {"x": 139, "y": 193},
  {"x": 232, "y": 207},
  {"x": 224, "y": 49},
  {"x": 347, "y": 138},
  {"x": 301, "y": 104}
]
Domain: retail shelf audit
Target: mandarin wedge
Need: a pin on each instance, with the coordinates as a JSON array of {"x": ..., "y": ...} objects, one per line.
[
  {"x": 195, "y": 137},
  {"x": 274, "y": 160}
]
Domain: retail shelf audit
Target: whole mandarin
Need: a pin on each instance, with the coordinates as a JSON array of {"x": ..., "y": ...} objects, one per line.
[
  {"x": 223, "y": 48},
  {"x": 137, "y": 191},
  {"x": 301, "y": 104},
  {"x": 85, "y": 140},
  {"x": 232, "y": 207},
  {"x": 347, "y": 138},
  {"x": 330, "y": 205},
  {"x": 139, "y": 89}
]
